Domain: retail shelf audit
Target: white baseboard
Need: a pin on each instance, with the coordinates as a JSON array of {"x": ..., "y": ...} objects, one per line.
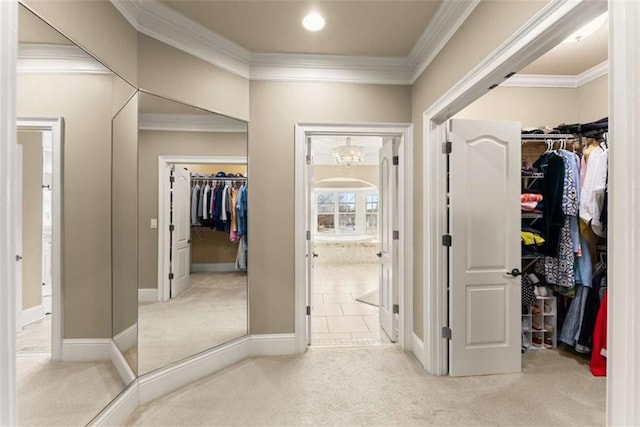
[
  {"x": 214, "y": 268},
  {"x": 273, "y": 344},
  {"x": 32, "y": 314},
  {"x": 148, "y": 295},
  {"x": 121, "y": 364},
  {"x": 418, "y": 349},
  {"x": 119, "y": 409},
  {"x": 127, "y": 338},
  {"x": 158, "y": 383},
  {"x": 86, "y": 350},
  {"x": 172, "y": 377}
]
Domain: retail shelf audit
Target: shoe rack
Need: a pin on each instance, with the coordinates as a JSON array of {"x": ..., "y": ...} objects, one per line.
[{"x": 539, "y": 324}]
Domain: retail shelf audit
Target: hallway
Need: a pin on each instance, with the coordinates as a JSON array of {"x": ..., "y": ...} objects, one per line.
[{"x": 381, "y": 386}]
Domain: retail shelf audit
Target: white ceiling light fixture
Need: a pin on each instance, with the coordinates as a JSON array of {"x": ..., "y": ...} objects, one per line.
[
  {"x": 313, "y": 22},
  {"x": 348, "y": 154},
  {"x": 587, "y": 29}
]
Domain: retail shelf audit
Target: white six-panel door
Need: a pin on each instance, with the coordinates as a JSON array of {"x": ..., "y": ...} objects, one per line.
[
  {"x": 180, "y": 248},
  {"x": 388, "y": 246},
  {"x": 485, "y": 228}
]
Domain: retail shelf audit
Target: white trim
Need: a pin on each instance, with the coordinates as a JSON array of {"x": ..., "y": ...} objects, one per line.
[
  {"x": 119, "y": 409},
  {"x": 623, "y": 334},
  {"x": 8, "y": 210},
  {"x": 190, "y": 123},
  {"x": 127, "y": 338},
  {"x": 163, "y": 203},
  {"x": 418, "y": 349},
  {"x": 121, "y": 364},
  {"x": 32, "y": 314},
  {"x": 148, "y": 295},
  {"x": 543, "y": 80},
  {"x": 221, "y": 267},
  {"x": 273, "y": 344},
  {"x": 86, "y": 350},
  {"x": 34, "y": 58},
  {"x": 405, "y": 258},
  {"x": 163, "y": 23},
  {"x": 56, "y": 126},
  {"x": 543, "y": 31},
  {"x": 443, "y": 25}
]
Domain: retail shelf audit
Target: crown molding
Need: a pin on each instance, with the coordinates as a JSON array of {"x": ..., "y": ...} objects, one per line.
[
  {"x": 156, "y": 20},
  {"x": 190, "y": 123},
  {"x": 558, "y": 81},
  {"x": 36, "y": 58},
  {"x": 443, "y": 25}
]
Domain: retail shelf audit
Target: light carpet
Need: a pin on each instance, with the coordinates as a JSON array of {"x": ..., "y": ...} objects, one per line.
[{"x": 381, "y": 386}]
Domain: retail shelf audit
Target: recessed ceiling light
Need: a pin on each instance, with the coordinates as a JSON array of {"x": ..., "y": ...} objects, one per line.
[
  {"x": 588, "y": 29},
  {"x": 313, "y": 22}
]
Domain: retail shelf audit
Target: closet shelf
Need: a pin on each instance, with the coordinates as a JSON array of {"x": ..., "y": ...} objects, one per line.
[
  {"x": 543, "y": 136},
  {"x": 532, "y": 256},
  {"x": 531, "y": 215},
  {"x": 533, "y": 175}
]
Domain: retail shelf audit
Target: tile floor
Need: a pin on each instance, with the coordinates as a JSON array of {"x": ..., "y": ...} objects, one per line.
[{"x": 337, "y": 318}]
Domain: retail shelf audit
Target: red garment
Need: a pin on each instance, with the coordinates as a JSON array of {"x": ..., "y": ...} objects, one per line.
[
  {"x": 598, "y": 363},
  {"x": 529, "y": 197}
]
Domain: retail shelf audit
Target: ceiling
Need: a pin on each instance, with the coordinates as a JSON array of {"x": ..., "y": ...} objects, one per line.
[
  {"x": 573, "y": 58},
  {"x": 32, "y": 29},
  {"x": 359, "y": 28}
]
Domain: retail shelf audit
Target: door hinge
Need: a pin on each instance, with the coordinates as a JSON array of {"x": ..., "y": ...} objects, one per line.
[
  {"x": 172, "y": 227},
  {"x": 446, "y": 240},
  {"x": 396, "y": 160},
  {"x": 308, "y": 159},
  {"x": 396, "y": 235},
  {"x": 308, "y": 310},
  {"x": 446, "y": 147},
  {"x": 308, "y": 235},
  {"x": 172, "y": 179},
  {"x": 170, "y": 276},
  {"x": 446, "y": 332},
  {"x": 396, "y": 309}
]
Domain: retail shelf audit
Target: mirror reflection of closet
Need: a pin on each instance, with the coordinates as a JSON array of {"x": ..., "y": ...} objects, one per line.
[
  {"x": 192, "y": 245},
  {"x": 66, "y": 101}
]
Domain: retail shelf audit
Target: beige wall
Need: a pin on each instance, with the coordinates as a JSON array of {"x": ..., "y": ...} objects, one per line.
[
  {"x": 95, "y": 26},
  {"x": 489, "y": 25},
  {"x": 152, "y": 144},
  {"x": 124, "y": 217},
  {"x": 31, "y": 142},
  {"x": 275, "y": 108},
  {"x": 532, "y": 107},
  {"x": 367, "y": 173},
  {"x": 169, "y": 72},
  {"x": 85, "y": 103},
  {"x": 593, "y": 100}
]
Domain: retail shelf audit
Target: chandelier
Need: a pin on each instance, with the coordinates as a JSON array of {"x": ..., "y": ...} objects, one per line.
[{"x": 348, "y": 154}]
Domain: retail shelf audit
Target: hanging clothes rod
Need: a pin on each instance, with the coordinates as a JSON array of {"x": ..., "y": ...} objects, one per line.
[
  {"x": 545, "y": 136},
  {"x": 219, "y": 178}
]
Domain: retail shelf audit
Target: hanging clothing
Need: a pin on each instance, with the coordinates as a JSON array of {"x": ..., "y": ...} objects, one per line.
[
  {"x": 195, "y": 199},
  {"x": 592, "y": 194},
  {"x": 552, "y": 165},
  {"x": 598, "y": 364}
]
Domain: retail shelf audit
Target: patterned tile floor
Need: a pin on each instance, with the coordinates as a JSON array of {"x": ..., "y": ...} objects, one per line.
[{"x": 337, "y": 318}]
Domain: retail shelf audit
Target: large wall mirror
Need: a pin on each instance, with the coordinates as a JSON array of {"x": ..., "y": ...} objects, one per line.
[
  {"x": 192, "y": 236},
  {"x": 66, "y": 101}
]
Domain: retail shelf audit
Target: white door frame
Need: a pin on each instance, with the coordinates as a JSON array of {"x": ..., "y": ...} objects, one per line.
[
  {"x": 405, "y": 221},
  {"x": 55, "y": 125},
  {"x": 164, "y": 285},
  {"x": 549, "y": 27}
]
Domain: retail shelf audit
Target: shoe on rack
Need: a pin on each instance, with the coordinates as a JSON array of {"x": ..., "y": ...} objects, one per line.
[
  {"x": 526, "y": 324},
  {"x": 548, "y": 327},
  {"x": 542, "y": 291},
  {"x": 535, "y": 325},
  {"x": 535, "y": 310},
  {"x": 547, "y": 308},
  {"x": 548, "y": 342},
  {"x": 525, "y": 341},
  {"x": 536, "y": 341}
]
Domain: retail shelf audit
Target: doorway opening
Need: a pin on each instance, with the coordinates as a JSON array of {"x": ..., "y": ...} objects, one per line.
[
  {"x": 351, "y": 251},
  {"x": 39, "y": 296}
]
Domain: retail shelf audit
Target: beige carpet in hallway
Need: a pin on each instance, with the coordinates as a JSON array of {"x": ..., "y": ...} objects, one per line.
[{"x": 381, "y": 386}]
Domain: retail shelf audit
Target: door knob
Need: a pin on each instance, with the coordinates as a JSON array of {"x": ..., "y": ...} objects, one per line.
[
  {"x": 18, "y": 257},
  {"x": 315, "y": 255},
  {"x": 515, "y": 273},
  {"x": 379, "y": 254}
]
